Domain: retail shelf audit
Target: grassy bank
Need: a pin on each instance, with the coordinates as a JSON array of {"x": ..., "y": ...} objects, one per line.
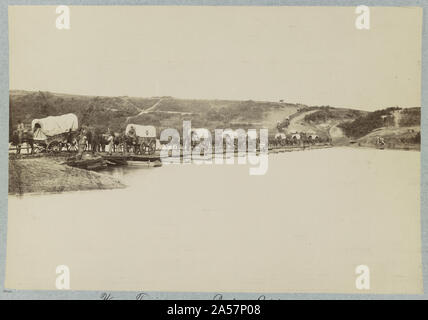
[
  {"x": 403, "y": 138},
  {"x": 47, "y": 174}
]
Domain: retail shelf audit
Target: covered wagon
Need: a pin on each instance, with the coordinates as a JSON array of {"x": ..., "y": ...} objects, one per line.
[
  {"x": 280, "y": 139},
  {"x": 54, "y": 132},
  {"x": 198, "y": 135},
  {"x": 296, "y": 138},
  {"x": 313, "y": 138},
  {"x": 143, "y": 138}
]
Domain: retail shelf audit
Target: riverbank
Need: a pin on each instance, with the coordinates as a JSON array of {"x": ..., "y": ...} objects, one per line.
[
  {"x": 48, "y": 174},
  {"x": 388, "y": 146},
  {"x": 395, "y": 138}
]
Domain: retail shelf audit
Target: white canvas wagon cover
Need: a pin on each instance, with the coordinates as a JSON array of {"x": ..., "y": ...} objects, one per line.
[
  {"x": 142, "y": 131},
  {"x": 54, "y": 125}
]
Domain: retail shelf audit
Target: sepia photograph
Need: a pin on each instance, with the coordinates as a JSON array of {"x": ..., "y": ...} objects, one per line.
[{"x": 219, "y": 150}]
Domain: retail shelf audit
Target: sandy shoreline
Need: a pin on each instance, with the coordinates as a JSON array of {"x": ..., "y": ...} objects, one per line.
[{"x": 47, "y": 174}]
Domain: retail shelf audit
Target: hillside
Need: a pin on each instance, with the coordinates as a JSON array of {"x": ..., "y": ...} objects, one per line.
[
  {"x": 162, "y": 112},
  {"x": 325, "y": 121},
  {"x": 98, "y": 111},
  {"x": 398, "y": 127}
]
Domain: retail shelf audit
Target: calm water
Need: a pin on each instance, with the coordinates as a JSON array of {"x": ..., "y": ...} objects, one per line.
[{"x": 304, "y": 226}]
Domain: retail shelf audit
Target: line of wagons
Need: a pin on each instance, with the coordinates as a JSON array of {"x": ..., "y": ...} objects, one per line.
[
  {"x": 56, "y": 133},
  {"x": 294, "y": 138}
]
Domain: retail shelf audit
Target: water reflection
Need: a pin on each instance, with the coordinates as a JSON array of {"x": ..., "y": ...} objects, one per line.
[{"x": 303, "y": 226}]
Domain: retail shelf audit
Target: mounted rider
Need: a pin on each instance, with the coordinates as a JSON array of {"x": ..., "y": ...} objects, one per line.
[
  {"x": 380, "y": 141},
  {"x": 132, "y": 134}
]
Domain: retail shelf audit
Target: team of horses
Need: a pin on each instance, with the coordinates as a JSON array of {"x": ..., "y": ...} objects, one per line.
[{"x": 96, "y": 142}]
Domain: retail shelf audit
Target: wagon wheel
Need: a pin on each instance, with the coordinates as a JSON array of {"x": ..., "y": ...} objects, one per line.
[
  {"x": 152, "y": 147},
  {"x": 54, "y": 146},
  {"x": 73, "y": 146},
  {"x": 39, "y": 148},
  {"x": 143, "y": 148}
]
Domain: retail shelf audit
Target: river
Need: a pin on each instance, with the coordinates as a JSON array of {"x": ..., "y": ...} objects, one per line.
[{"x": 304, "y": 226}]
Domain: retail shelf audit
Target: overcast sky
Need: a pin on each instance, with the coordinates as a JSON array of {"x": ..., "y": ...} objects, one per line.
[{"x": 310, "y": 55}]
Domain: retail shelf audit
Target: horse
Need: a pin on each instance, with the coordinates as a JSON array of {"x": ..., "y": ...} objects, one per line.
[
  {"x": 96, "y": 140},
  {"x": 130, "y": 142},
  {"x": 124, "y": 142},
  {"x": 118, "y": 142},
  {"x": 103, "y": 141}
]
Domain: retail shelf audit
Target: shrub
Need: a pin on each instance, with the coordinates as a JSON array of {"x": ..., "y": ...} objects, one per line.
[{"x": 365, "y": 124}]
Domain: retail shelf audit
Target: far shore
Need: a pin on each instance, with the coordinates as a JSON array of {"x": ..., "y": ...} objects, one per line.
[{"x": 402, "y": 147}]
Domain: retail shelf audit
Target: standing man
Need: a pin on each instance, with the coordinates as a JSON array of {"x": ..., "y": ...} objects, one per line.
[
  {"x": 20, "y": 132},
  {"x": 110, "y": 140},
  {"x": 69, "y": 139},
  {"x": 82, "y": 143}
]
